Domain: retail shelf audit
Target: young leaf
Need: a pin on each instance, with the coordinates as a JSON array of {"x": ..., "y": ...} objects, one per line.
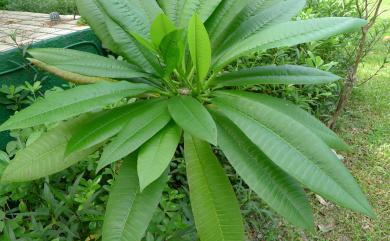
[
  {"x": 104, "y": 126},
  {"x": 200, "y": 48},
  {"x": 46, "y": 155},
  {"x": 144, "y": 42},
  {"x": 88, "y": 64},
  {"x": 161, "y": 27},
  {"x": 272, "y": 184},
  {"x": 289, "y": 34},
  {"x": 142, "y": 126},
  {"x": 129, "y": 211},
  {"x": 172, "y": 51},
  {"x": 285, "y": 74},
  {"x": 69, "y": 103},
  {"x": 294, "y": 148},
  {"x": 156, "y": 154},
  {"x": 214, "y": 204},
  {"x": 193, "y": 117}
]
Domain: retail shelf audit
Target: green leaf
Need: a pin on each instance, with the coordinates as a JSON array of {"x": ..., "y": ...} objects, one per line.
[
  {"x": 200, "y": 48},
  {"x": 266, "y": 15},
  {"x": 149, "y": 8},
  {"x": 95, "y": 16},
  {"x": 160, "y": 28},
  {"x": 127, "y": 15},
  {"x": 172, "y": 50},
  {"x": 133, "y": 51},
  {"x": 144, "y": 42},
  {"x": 104, "y": 126},
  {"x": 126, "y": 18},
  {"x": 193, "y": 117},
  {"x": 289, "y": 34},
  {"x": 180, "y": 12},
  {"x": 156, "y": 154},
  {"x": 130, "y": 211},
  {"x": 86, "y": 63},
  {"x": 285, "y": 74},
  {"x": 214, "y": 204},
  {"x": 69, "y": 103},
  {"x": 272, "y": 184},
  {"x": 218, "y": 23},
  {"x": 142, "y": 126},
  {"x": 46, "y": 155},
  {"x": 294, "y": 148},
  {"x": 303, "y": 117}
]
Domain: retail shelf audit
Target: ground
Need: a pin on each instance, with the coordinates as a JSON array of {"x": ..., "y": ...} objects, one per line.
[{"x": 365, "y": 125}]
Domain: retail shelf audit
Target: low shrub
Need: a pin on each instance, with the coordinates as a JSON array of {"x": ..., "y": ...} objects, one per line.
[{"x": 40, "y": 6}]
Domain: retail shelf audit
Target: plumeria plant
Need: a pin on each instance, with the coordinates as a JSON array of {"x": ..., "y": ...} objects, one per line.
[{"x": 176, "y": 88}]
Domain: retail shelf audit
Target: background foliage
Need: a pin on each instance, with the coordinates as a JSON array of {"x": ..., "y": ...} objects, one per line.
[{"x": 39, "y": 6}]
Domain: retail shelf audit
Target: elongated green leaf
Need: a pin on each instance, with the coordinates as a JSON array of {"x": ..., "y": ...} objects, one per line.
[
  {"x": 215, "y": 207},
  {"x": 160, "y": 28},
  {"x": 127, "y": 15},
  {"x": 294, "y": 148},
  {"x": 172, "y": 50},
  {"x": 194, "y": 118},
  {"x": 266, "y": 15},
  {"x": 222, "y": 18},
  {"x": 289, "y": 34},
  {"x": 142, "y": 126},
  {"x": 149, "y": 8},
  {"x": 92, "y": 12},
  {"x": 200, "y": 48},
  {"x": 62, "y": 105},
  {"x": 133, "y": 51},
  {"x": 272, "y": 184},
  {"x": 129, "y": 211},
  {"x": 155, "y": 155},
  {"x": 180, "y": 12},
  {"x": 86, "y": 63},
  {"x": 104, "y": 126},
  {"x": 303, "y": 117},
  {"x": 46, "y": 155},
  {"x": 285, "y": 74},
  {"x": 144, "y": 42}
]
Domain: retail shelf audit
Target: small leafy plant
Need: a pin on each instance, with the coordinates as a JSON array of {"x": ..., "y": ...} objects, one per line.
[{"x": 174, "y": 83}]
